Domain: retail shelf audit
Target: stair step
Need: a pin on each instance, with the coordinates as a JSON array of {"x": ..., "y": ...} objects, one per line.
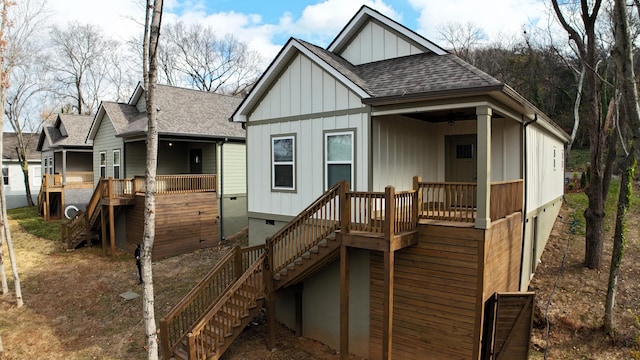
[
  {"x": 233, "y": 309},
  {"x": 180, "y": 353}
]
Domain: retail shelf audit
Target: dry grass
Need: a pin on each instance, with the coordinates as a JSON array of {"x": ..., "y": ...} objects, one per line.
[
  {"x": 73, "y": 309},
  {"x": 576, "y": 309}
]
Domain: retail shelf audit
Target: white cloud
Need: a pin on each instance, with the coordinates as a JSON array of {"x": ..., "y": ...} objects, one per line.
[
  {"x": 120, "y": 19},
  {"x": 498, "y": 19}
]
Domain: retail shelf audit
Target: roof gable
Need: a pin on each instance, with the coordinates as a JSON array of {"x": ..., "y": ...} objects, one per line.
[
  {"x": 370, "y": 25},
  {"x": 68, "y": 130}
]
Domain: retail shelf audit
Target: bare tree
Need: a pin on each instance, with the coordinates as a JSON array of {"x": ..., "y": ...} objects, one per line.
[
  {"x": 623, "y": 54},
  {"x": 462, "y": 38},
  {"x": 195, "y": 54},
  {"x": 81, "y": 63},
  {"x": 585, "y": 43},
  {"x": 23, "y": 57},
  {"x": 153, "y": 17},
  {"x": 6, "y": 66}
]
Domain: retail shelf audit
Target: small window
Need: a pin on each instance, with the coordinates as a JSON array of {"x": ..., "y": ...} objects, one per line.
[
  {"x": 116, "y": 164},
  {"x": 37, "y": 175},
  {"x": 283, "y": 163},
  {"x": 554, "y": 158},
  {"x": 5, "y": 175},
  {"x": 50, "y": 165},
  {"x": 338, "y": 158},
  {"x": 464, "y": 151},
  {"x": 103, "y": 164}
]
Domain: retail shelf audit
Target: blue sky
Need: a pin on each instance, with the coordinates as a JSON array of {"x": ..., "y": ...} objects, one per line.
[{"x": 266, "y": 25}]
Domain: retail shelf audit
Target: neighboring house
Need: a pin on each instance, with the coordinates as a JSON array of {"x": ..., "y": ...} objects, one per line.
[
  {"x": 201, "y": 183},
  {"x": 66, "y": 165},
  {"x": 12, "y": 175},
  {"x": 455, "y": 183}
]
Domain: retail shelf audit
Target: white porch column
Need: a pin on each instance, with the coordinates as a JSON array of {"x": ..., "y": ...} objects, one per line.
[
  {"x": 483, "y": 216},
  {"x": 64, "y": 167}
]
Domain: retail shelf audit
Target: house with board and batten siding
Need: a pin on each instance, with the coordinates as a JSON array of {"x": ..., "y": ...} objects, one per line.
[
  {"x": 66, "y": 165},
  {"x": 13, "y": 178},
  {"x": 200, "y": 183},
  {"x": 399, "y": 200}
]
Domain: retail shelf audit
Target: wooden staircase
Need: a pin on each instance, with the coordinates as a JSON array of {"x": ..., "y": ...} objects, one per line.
[
  {"x": 108, "y": 193},
  {"x": 214, "y": 313}
]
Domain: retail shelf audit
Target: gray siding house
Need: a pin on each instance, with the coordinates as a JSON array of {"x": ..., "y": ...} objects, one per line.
[
  {"x": 12, "y": 175},
  {"x": 196, "y": 140},
  {"x": 66, "y": 164},
  {"x": 382, "y": 107}
]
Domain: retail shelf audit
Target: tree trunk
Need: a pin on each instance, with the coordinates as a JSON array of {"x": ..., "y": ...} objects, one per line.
[
  {"x": 4, "y": 226},
  {"x": 150, "y": 69},
  {"x": 611, "y": 145},
  {"x": 3, "y": 274},
  {"x": 619, "y": 241},
  {"x": 24, "y": 165}
]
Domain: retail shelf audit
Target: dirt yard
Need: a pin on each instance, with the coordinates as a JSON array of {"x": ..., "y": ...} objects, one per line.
[
  {"x": 572, "y": 297},
  {"x": 73, "y": 309}
]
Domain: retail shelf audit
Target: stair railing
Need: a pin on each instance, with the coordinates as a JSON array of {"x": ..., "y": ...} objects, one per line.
[
  {"x": 94, "y": 202},
  {"x": 202, "y": 343},
  {"x": 179, "y": 321},
  {"x": 73, "y": 229},
  {"x": 305, "y": 231}
]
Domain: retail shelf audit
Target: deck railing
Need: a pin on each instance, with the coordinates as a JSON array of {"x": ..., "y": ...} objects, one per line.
[
  {"x": 179, "y": 321},
  {"x": 313, "y": 224},
  {"x": 79, "y": 177},
  {"x": 506, "y": 198},
  {"x": 453, "y": 201},
  {"x": 369, "y": 211},
  {"x": 177, "y": 184},
  {"x": 52, "y": 180},
  {"x": 456, "y": 201}
]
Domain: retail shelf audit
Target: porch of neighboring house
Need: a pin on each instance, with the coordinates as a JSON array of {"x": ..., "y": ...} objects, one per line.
[
  {"x": 51, "y": 198},
  {"x": 421, "y": 240},
  {"x": 186, "y": 214}
]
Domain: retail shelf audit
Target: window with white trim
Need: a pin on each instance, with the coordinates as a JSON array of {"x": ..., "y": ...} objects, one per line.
[
  {"x": 5, "y": 175},
  {"x": 103, "y": 164},
  {"x": 116, "y": 164},
  {"x": 37, "y": 175},
  {"x": 339, "y": 155},
  {"x": 283, "y": 167},
  {"x": 50, "y": 165}
]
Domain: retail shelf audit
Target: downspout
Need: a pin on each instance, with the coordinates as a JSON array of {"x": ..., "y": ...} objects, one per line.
[{"x": 525, "y": 190}]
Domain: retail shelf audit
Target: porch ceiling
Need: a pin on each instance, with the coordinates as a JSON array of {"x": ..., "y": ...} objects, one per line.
[{"x": 447, "y": 115}]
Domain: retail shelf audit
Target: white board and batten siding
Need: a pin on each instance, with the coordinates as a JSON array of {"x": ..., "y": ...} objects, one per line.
[
  {"x": 375, "y": 43},
  {"x": 304, "y": 88},
  {"x": 106, "y": 140},
  {"x": 304, "y": 93},
  {"x": 235, "y": 169},
  {"x": 545, "y": 162}
]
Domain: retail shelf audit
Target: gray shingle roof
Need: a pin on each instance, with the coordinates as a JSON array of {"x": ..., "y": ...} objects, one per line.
[
  {"x": 183, "y": 112},
  {"x": 408, "y": 75},
  {"x": 422, "y": 73},
  {"x": 68, "y": 131},
  {"x": 10, "y": 142}
]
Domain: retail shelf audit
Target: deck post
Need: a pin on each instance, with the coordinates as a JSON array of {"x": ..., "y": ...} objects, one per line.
[
  {"x": 387, "y": 311},
  {"x": 270, "y": 296},
  {"x": 483, "y": 217},
  {"x": 103, "y": 227},
  {"x": 345, "y": 208},
  {"x": 418, "y": 204},
  {"x": 112, "y": 231},
  {"x": 389, "y": 212},
  {"x": 344, "y": 303}
]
